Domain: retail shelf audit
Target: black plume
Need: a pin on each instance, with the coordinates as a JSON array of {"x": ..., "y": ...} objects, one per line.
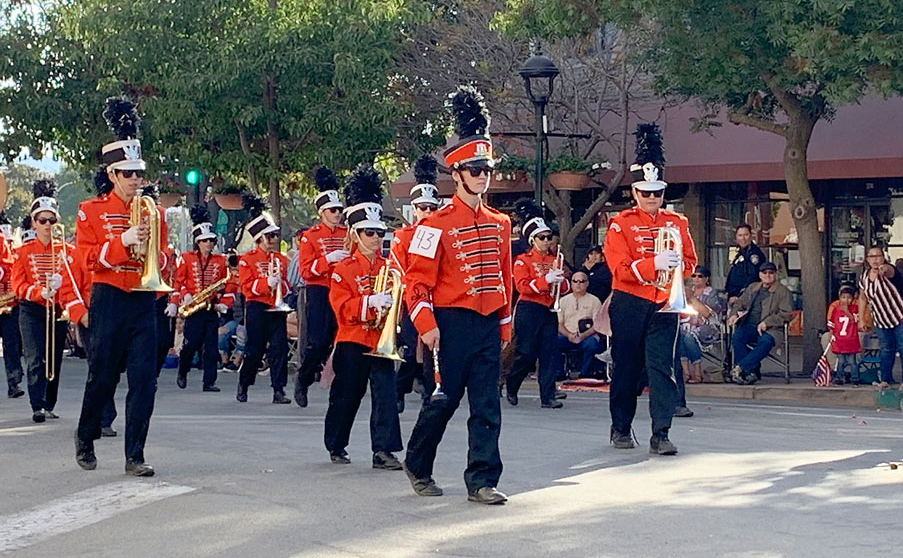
[
  {"x": 102, "y": 182},
  {"x": 527, "y": 209},
  {"x": 26, "y": 223},
  {"x": 325, "y": 179},
  {"x": 426, "y": 170},
  {"x": 199, "y": 214},
  {"x": 253, "y": 204},
  {"x": 4, "y": 220},
  {"x": 44, "y": 187},
  {"x": 470, "y": 112},
  {"x": 122, "y": 117},
  {"x": 364, "y": 185},
  {"x": 649, "y": 146},
  {"x": 152, "y": 190}
]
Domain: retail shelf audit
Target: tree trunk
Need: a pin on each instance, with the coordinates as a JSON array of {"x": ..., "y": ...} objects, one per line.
[
  {"x": 269, "y": 105},
  {"x": 805, "y": 217}
]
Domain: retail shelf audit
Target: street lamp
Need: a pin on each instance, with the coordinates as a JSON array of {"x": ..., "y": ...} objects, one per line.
[{"x": 539, "y": 73}]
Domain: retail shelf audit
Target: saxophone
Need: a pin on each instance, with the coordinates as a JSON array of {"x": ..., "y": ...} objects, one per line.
[{"x": 203, "y": 300}]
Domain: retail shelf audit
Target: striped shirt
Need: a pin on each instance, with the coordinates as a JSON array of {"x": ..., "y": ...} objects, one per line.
[{"x": 884, "y": 299}]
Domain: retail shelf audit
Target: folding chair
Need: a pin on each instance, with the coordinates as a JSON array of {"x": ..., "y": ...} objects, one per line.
[{"x": 778, "y": 356}]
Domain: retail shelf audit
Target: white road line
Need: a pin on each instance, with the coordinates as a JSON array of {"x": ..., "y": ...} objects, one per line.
[{"x": 23, "y": 529}]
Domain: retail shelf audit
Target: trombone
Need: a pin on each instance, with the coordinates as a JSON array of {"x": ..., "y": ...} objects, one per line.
[
  {"x": 57, "y": 249},
  {"x": 556, "y": 288}
]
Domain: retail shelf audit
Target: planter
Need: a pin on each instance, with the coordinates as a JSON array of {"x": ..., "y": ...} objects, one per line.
[
  {"x": 228, "y": 201},
  {"x": 568, "y": 180},
  {"x": 507, "y": 180},
  {"x": 170, "y": 199}
]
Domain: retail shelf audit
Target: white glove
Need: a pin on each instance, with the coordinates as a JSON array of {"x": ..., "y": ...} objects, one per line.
[
  {"x": 130, "y": 237},
  {"x": 48, "y": 293},
  {"x": 554, "y": 277},
  {"x": 171, "y": 310},
  {"x": 667, "y": 260},
  {"x": 380, "y": 301},
  {"x": 337, "y": 256},
  {"x": 55, "y": 281},
  {"x": 187, "y": 299},
  {"x": 273, "y": 281},
  {"x": 221, "y": 308}
]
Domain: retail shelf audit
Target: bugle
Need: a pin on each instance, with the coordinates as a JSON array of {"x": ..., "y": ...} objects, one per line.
[
  {"x": 279, "y": 304},
  {"x": 143, "y": 209},
  {"x": 556, "y": 288},
  {"x": 388, "y": 281},
  {"x": 669, "y": 238}
]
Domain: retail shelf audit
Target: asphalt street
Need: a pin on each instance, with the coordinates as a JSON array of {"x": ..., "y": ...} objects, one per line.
[{"x": 751, "y": 480}]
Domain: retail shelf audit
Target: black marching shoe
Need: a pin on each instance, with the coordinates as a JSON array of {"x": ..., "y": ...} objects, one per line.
[
  {"x": 181, "y": 381},
  {"x": 15, "y": 392},
  {"x": 242, "y": 395},
  {"x": 279, "y": 398},
  {"x": 385, "y": 460},
  {"x": 340, "y": 457},
  {"x": 422, "y": 487},
  {"x": 108, "y": 432},
  {"x": 84, "y": 454},
  {"x": 661, "y": 445},
  {"x": 212, "y": 388},
  {"x": 620, "y": 440},
  {"x": 137, "y": 469},
  {"x": 553, "y": 404},
  {"x": 559, "y": 394},
  {"x": 301, "y": 396},
  {"x": 38, "y": 416},
  {"x": 488, "y": 495},
  {"x": 683, "y": 412},
  {"x": 512, "y": 398}
]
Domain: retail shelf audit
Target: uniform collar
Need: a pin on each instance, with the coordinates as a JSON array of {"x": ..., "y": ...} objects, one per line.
[
  {"x": 362, "y": 259},
  {"x": 461, "y": 204}
]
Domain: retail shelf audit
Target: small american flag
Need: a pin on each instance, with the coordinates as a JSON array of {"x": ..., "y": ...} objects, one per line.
[{"x": 822, "y": 373}]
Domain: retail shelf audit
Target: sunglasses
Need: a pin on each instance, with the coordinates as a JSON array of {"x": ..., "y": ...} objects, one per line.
[
  {"x": 476, "y": 172},
  {"x": 272, "y": 235},
  {"x": 767, "y": 272},
  {"x": 654, "y": 193},
  {"x": 542, "y": 236},
  {"x": 209, "y": 239},
  {"x": 333, "y": 209},
  {"x": 131, "y": 173},
  {"x": 373, "y": 232},
  {"x": 45, "y": 220},
  {"x": 699, "y": 275},
  {"x": 427, "y": 206},
  {"x": 579, "y": 281}
]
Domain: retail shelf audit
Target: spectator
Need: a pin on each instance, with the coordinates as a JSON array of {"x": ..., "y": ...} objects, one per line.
[
  {"x": 575, "y": 324},
  {"x": 759, "y": 315},
  {"x": 599, "y": 275},
  {"x": 844, "y": 326},
  {"x": 880, "y": 289},
  {"x": 230, "y": 324},
  {"x": 744, "y": 269},
  {"x": 702, "y": 330}
]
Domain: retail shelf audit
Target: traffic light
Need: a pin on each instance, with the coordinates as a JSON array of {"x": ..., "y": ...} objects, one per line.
[{"x": 193, "y": 177}]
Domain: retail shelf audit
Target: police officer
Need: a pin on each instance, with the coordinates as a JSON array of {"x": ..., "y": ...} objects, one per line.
[
  {"x": 643, "y": 337},
  {"x": 458, "y": 287},
  {"x": 321, "y": 247},
  {"x": 744, "y": 269}
]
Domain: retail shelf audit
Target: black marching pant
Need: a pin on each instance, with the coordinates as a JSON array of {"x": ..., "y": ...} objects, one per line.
[
  {"x": 353, "y": 370},
  {"x": 537, "y": 334},
  {"x": 469, "y": 353},
  {"x": 166, "y": 331},
  {"x": 201, "y": 335},
  {"x": 108, "y": 415},
  {"x": 123, "y": 337},
  {"x": 642, "y": 338},
  {"x": 266, "y": 332},
  {"x": 321, "y": 330},
  {"x": 12, "y": 347},
  {"x": 33, "y": 324}
]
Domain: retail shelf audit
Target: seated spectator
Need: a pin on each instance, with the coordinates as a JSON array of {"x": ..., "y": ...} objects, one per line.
[
  {"x": 759, "y": 315},
  {"x": 599, "y": 275},
  {"x": 702, "y": 330},
  {"x": 575, "y": 324},
  {"x": 843, "y": 324}
]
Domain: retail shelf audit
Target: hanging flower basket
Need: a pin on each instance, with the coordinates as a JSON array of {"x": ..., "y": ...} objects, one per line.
[
  {"x": 228, "y": 201},
  {"x": 566, "y": 180},
  {"x": 169, "y": 199},
  {"x": 507, "y": 180}
]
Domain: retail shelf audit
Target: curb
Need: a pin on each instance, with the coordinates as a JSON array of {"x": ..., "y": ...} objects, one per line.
[{"x": 861, "y": 397}]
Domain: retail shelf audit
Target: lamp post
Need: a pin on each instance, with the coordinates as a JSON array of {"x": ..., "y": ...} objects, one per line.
[{"x": 539, "y": 73}]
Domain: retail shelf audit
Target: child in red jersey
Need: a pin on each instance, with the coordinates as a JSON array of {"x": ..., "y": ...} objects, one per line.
[{"x": 844, "y": 326}]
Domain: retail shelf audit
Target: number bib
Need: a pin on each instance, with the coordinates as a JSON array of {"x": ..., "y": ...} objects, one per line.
[{"x": 425, "y": 241}]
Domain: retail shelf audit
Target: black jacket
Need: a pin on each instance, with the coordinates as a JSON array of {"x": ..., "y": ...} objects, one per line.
[
  {"x": 599, "y": 280},
  {"x": 744, "y": 269}
]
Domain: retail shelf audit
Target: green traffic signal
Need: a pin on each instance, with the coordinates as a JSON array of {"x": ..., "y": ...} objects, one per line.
[{"x": 193, "y": 177}]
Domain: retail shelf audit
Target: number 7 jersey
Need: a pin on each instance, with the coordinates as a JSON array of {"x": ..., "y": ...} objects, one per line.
[{"x": 460, "y": 257}]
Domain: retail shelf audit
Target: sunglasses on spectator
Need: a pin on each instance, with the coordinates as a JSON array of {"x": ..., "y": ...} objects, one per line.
[
  {"x": 654, "y": 193},
  {"x": 767, "y": 272},
  {"x": 476, "y": 172},
  {"x": 579, "y": 281},
  {"x": 333, "y": 209},
  {"x": 131, "y": 173},
  {"x": 544, "y": 236},
  {"x": 426, "y": 206},
  {"x": 45, "y": 220},
  {"x": 373, "y": 232}
]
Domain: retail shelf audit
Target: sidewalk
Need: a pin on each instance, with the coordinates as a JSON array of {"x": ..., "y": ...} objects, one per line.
[{"x": 799, "y": 391}]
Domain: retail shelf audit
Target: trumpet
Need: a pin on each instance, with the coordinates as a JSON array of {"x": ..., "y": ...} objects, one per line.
[
  {"x": 388, "y": 280},
  {"x": 556, "y": 288},
  {"x": 144, "y": 209},
  {"x": 279, "y": 304},
  {"x": 668, "y": 238}
]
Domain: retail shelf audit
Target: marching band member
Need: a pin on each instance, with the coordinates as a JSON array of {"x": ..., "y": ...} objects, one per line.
[
  {"x": 9, "y": 313},
  {"x": 321, "y": 247},
  {"x": 425, "y": 201},
  {"x": 536, "y": 274},
  {"x": 262, "y": 272},
  {"x": 458, "y": 287},
  {"x": 122, "y": 319},
  {"x": 642, "y": 336},
  {"x": 356, "y": 305},
  {"x": 39, "y": 278},
  {"x": 196, "y": 271}
]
